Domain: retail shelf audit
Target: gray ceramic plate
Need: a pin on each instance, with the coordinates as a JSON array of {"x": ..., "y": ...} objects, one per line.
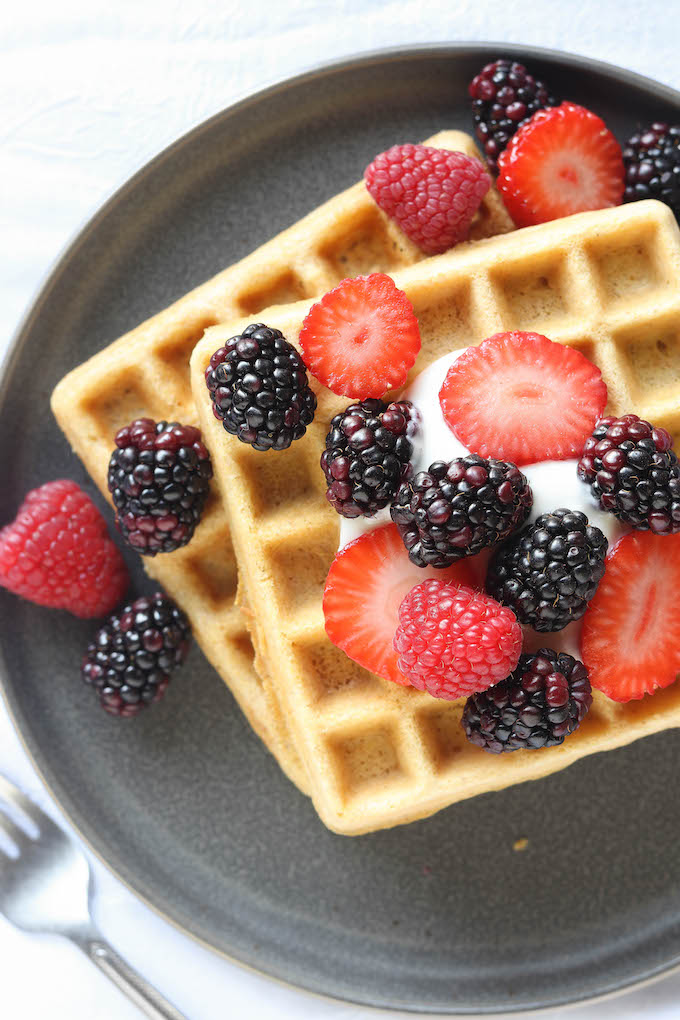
[{"x": 184, "y": 803}]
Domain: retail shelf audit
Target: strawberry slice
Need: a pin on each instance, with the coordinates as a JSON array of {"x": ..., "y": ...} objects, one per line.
[
  {"x": 630, "y": 640},
  {"x": 366, "y": 584},
  {"x": 523, "y": 398},
  {"x": 563, "y": 160},
  {"x": 361, "y": 338}
]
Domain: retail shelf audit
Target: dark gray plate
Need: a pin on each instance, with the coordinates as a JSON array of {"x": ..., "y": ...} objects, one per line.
[{"x": 184, "y": 803}]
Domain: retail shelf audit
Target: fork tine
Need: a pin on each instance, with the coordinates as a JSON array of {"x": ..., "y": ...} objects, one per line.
[
  {"x": 11, "y": 794},
  {"x": 20, "y": 839}
]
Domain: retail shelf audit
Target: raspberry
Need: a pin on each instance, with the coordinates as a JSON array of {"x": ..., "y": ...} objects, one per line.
[
  {"x": 159, "y": 478},
  {"x": 633, "y": 472},
  {"x": 432, "y": 194},
  {"x": 652, "y": 161},
  {"x": 130, "y": 658},
  {"x": 457, "y": 509},
  {"x": 367, "y": 455},
  {"x": 57, "y": 552},
  {"x": 550, "y": 571},
  {"x": 453, "y": 641},
  {"x": 365, "y": 586},
  {"x": 541, "y": 703},
  {"x": 504, "y": 96},
  {"x": 259, "y": 389}
]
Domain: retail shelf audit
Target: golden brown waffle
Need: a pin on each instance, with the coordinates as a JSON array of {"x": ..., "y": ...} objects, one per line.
[
  {"x": 146, "y": 373},
  {"x": 378, "y": 754}
]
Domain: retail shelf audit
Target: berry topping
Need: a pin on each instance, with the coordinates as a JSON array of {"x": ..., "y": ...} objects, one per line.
[
  {"x": 367, "y": 581},
  {"x": 631, "y": 633},
  {"x": 550, "y": 571},
  {"x": 453, "y": 641},
  {"x": 367, "y": 456},
  {"x": 130, "y": 658},
  {"x": 634, "y": 473},
  {"x": 504, "y": 96},
  {"x": 432, "y": 194},
  {"x": 541, "y": 703},
  {"x": 523, "y": 398},
  {"x": 652, "y": 161},
  {"x": 159, "y": 478},
  {"x": 57, "y": 552},
  {"x": 361, "y": 338},
  {"x": 560, "y": 162},
  {"x": 457, "y": 509},
  {"x": 259, "y": 389}
]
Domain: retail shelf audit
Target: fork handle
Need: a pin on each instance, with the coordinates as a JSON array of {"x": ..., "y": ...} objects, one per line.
[{"x": 147, "y": 998}]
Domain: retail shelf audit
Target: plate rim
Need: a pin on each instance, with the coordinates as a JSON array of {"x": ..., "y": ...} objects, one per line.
[{"x": 447, "y": 49}]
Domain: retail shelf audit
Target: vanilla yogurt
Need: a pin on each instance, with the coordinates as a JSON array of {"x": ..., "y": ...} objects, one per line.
[{"x": 554, "y": 484}]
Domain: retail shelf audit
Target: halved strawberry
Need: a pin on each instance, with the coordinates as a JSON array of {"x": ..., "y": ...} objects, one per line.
[
  {"x": 361, "y": 338},
  {"x": 564, "y": 160},
  {"x": 630, "y": 641},
  {"x": 523, "y": 398},
  {"x": 366, "y": 584}
]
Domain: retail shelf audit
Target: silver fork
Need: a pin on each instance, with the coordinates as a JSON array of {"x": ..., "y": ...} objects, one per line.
[{"x": 48, "y": 888}]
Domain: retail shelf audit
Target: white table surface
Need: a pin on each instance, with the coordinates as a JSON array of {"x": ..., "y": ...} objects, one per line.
[{"x": 90, "y": 91}]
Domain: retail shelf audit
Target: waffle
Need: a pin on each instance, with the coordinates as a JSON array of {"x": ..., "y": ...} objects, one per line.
[
  {"x": 378, "y": 754},
  {"x": 146, "y": 372}
]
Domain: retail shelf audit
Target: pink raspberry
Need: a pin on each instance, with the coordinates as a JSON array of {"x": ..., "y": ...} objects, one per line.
[
  {"x": 453, "y": 641},
  {"x": 432, "y": 194},
  {"x": 58, "y": 553}
]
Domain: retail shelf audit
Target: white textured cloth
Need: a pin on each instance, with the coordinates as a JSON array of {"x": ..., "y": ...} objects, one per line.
[{"x": 89, "y": 91}]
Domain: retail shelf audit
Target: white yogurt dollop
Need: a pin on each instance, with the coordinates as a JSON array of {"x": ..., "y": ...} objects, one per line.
[{"x": 554, "y": 483}]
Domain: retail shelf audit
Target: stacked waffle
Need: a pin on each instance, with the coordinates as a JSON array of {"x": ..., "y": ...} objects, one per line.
[
  {"x": 377, "y": 754},
  {"x": 146, "y": 374},
  {"x": 372, "y": 754}
]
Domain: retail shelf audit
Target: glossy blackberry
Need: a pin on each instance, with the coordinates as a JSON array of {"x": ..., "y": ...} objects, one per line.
[
  {"x": 504, "y": 95},
  {"x": 633, "y": 472},
  {"x": 367, "y": 456},
  {"x": 159, "y": 478},
  {"x": 548, "y": 573},
  {"x": 652, "y": 160},
  {"x": 456, "y": 509},
  {"x": 538, "y": 705},
  {"x": 130, "y": 659},
  {"x": 259, "y": 389}
]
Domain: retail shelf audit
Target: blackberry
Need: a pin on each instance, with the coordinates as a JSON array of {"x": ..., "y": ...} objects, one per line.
[
  {"x": 130, "y": 658},
  {"x": 652, "y": 160},
  {"x": 633, "y": 472},
  {"x": 456, "y": 509},
  {"x": 549, "y": 572},
  {"x": 538, "y": 705},
  {"x": 259, "y": 389},
  {"x": 504, "y": 95},
  {"x": 367, "y": 456},
  {"x": 159, "y": 478}
]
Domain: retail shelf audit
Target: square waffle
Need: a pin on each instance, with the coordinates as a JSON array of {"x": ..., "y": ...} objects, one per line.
[
  {"x": 377, "y": 754},
  {"x": 146, "y": 373}
]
